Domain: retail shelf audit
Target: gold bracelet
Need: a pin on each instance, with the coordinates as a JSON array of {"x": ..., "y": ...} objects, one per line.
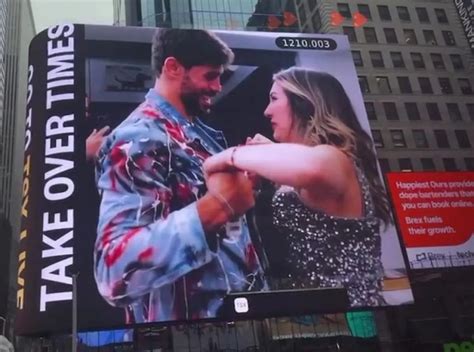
[
  {"x": 232, "y": 157},
  {"x": 224, "y": 202}
]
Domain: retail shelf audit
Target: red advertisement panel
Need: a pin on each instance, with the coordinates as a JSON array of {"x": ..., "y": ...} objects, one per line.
[{"x": 435, "y": 213}]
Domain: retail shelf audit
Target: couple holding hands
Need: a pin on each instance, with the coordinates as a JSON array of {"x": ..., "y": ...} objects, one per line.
[{"x": 173, "y": 239}]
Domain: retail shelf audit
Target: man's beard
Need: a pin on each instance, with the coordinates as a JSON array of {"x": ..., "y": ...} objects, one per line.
[{"x": 194, "y": 99}]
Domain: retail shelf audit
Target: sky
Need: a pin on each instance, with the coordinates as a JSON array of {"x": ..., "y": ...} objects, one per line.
[{"x": 50, "y": 12}]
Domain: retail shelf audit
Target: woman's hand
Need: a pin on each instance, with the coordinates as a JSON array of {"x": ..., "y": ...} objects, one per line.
[{"x": 257, "y": 139}]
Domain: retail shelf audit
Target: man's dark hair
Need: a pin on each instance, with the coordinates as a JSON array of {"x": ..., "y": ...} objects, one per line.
[{"x": 189, "y": 47}]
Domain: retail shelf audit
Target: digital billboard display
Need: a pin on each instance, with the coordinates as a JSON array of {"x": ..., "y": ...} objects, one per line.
[
  {"x": 171, "y": 168},
  {"x": 434, "y": 212}
]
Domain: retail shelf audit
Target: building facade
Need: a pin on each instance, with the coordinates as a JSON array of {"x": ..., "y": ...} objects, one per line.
[
  {"x": 16, "y": 31},
  {"x": 416, "y": 71}
]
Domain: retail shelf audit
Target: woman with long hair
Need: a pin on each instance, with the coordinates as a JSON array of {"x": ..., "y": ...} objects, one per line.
[{"x": 330, "y": 202}]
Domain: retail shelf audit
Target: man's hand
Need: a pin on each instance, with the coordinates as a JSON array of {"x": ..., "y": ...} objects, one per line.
[
  {"x": 233, "y": 188},
  {"x": 94, "y": 141}
]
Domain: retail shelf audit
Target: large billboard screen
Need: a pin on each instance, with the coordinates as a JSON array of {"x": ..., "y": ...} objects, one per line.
[
  {"x": 434, "y": 212},
  {"x": 171, "y": 168}
]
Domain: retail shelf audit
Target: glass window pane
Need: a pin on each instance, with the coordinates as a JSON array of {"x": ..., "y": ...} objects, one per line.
[
  {"x": 344, "y": 10},
  {"x": 457, "y": 62},
  {"x": 404, "y": 84},
  {"x": 370, "y": 109},
  {"x": 410, "y": 37},
  {"x": 412, "y": 111},
  {"x": 391, "y": 112},
  {"x": 430, "y": 37},
  {"x": 397, "y": 59},
  {"x": 364, "y": 84},
  {"x": 419, "y": 137},
  {"x": 441, "y": 16},
  {"x": 462, "y": 138},
  {"x": 403, "y": 13},
  {"x": 449, "y": 38},
  {"x": 365, "y": 10},
  {"x": 351, "y": 34},
  {"x": 378, "y": 139},
  {"x": 370, "y": 35},
  {"x": 417, "y": 59},
  {"x": 450, "y": 164},
  {"x": 445, "y": 85},
  {"x": 441, "y": 138},
  {"x": 357, "y": 57},
  {"x": 383, "y": 85},
  {"x": 398, "y": 138},
  {"x": 433, "y": 111},
  {"x": 425, "y": 85},
  {"x": 454, "y": 112},
  {"x": 427, "y": 164},
  {"x": 465, "y": 86},
  {"x": 405, "y": 164},
  {"x": 390, "y": 35},
  {"x": 384, "y": 13},
  {"x": 422, "y": 15},
  {"x": 376, "y": 59},
  {"x": 470, "y": 110},
  {"x": 438, "y": 62}
]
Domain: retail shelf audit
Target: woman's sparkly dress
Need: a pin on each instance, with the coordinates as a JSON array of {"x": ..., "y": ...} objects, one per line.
[{"x": 330, "y": 251}]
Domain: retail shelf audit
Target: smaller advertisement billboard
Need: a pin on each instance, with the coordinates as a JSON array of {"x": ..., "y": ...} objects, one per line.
[{"x": 435, "y": 217}]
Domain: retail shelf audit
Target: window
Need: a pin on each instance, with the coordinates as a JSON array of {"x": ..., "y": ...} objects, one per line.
[
  {"x": 438, "y": 62},
  {"x": 371, "y": 113},
  {"x": 312, "y": 4},
  {"x": 449, "y": 38},
  {"x": 376, "y": 58},
  {"x": 410, "y": 36},
  {"x": 405, "y": 164},
  {"x": 441, "y": 16},
  {"x": 412, "y": 111},
  {"x": 470, "y": 111},
  {"x": 370, "y": 35},
  {"x": 357, "y": 57},
  {"x": 422, "y": 15},
  {"x": 433, "y": 111},
  {"x": 450, "y": 164},
  {"x": 419, "y": 137},
  {"x": 365, "y": 10},
  {"x": 390, "y": 35},
  {"x": 445, "y": 85},
  {"x": 465, "y": 86},
  {"x": 384, "y": 165},
  {"x": 351, "y": 34},
  {"x": 398, "y": 138},
  {"x": 425, "y": 85},
  {"x": 417, "y": 60},
  {"x": 441, "y": 138},
  {"x": 397, "y": 59},
  {"x": 364, "y": 84},
  {"x": 316, "y": 21},
  {"x": 430, "y": 37},
  {"x": 469, "y": 164},
  {"x": 404, "y": 84},
  {"x": 403, "y": 13},
  {"x": 344, "y": 10},
  {"x": 456, "y": 60},
  {"x": 463, "y": 139},
  {"x": 378, "y": 139},
  {"x": 454, "y": 112},
  {"x": 302, "y": 13},
  {"x": 383, "y": 85},
  {"x": 427, "y": 164},
  {"x": 384, "y": 13},
  {"x": 391, "y": 111}
]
